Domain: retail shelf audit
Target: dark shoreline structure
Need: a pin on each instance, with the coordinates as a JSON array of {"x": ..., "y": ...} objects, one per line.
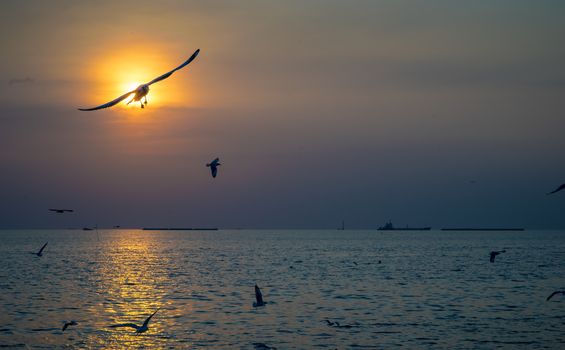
[
  {"x": 484, "y": 229},
  {"x": 180, "y": 229}
]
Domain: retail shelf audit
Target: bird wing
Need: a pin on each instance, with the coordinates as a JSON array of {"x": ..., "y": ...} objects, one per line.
[
  {"x": 41, "y": 250},
  {"x": 131, "y": 325},
  {"x": 109, "y": 104},
  {"x": 551, "y": 296},
  {"x": 149, "y": 318},
  {"x": 67, "y": 324},
  {"x": 168, "y": 74},
  {"x": 258, "y": 295},
  {"x": 214, "y": 171},
  {"x": 557, "y": 189}
]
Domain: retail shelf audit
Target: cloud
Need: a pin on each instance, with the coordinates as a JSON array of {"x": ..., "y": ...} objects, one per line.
[{"x": 26, "y": 80}]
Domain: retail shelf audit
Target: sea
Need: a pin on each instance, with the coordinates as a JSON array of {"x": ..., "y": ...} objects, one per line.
[{"x": 324, "y": 289}]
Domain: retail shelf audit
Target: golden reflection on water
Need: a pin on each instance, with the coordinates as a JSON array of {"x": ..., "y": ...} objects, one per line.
[{"x": 133, "y": 285}]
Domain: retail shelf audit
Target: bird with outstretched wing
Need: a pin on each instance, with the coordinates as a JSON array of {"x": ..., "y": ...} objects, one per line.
[
  {"x": 143, "y": 89},
  {"x": 138, "y": 329}
]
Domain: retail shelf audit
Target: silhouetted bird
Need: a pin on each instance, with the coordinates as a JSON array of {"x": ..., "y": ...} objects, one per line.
[
  {"x": 493, "y": 254},
  {"x": 61, "y": 211},
  {"x": 262, "y": 346},
  {"x": 214, "y": 166},
  {"x": 143, "y": 89},
  {"x": 557, "y": 189},
  {"x": 138, "y": 329},
  {"x": 259, "y": 297},
  {"x": 336, "y": 324},
  {"x": 555, "y": 293},
  {"x": 67, "y": 324},
  {"x": 40, "y": 252}
]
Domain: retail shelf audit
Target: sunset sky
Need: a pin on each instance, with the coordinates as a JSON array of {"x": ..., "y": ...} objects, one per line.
[{"x": 436, "y": 113}]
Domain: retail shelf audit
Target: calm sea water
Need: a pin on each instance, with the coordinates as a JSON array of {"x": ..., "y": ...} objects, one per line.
[{"x": 431, "y": 290}]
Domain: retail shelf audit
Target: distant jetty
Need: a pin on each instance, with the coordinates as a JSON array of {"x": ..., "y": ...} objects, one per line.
[
  {"x": 180, "y": 229},
  {"x": 390, "y": 227},
  {"x": 483, "y": 229}
]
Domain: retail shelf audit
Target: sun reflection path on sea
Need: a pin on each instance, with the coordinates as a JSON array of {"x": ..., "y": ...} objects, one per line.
[{"x": 134, "y": 282}]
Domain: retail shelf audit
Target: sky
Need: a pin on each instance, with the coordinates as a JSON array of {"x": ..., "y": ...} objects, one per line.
[{"x": 426, "y": 113}]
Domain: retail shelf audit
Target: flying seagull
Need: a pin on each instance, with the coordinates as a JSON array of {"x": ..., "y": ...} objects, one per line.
[
  {"x": 214, "y": 166},
  {"x": 67, "y": 324},
  {"x": 138, "y": 329},
  {"x": 61, "y": 211},
  {"x": 557, "y": 189},
  {"x": 555, "y": 293},
  {"x": 259, "y": 297},
  {"x": 493, "y": 254},
  {"x": 40, "y": 252},
  {"x": 142, "y": 90}
]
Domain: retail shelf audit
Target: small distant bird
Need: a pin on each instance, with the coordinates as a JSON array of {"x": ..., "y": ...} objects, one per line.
[
  {"x": 61, "y": 211},
  {"x": 138, "y": 329},
  {"x": 555, "y": 293},
  {"x": 493, "y": 254},
  {"x": 142, "y": 90},
  {"x": 259, "y": 297},
  {"x": 40, "y": 252},
  {"x": 557, "y": 189},
  {"x": 67, "y": 324},
  {"x": 336, "y": 324},
  {"x": 214, "y": 166}
]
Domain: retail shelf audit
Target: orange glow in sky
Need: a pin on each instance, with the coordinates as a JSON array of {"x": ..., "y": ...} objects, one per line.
[{"x": 126, "y": 68}]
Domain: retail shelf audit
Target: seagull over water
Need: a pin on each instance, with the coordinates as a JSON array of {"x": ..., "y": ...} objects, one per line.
[
  {"x": 214, "y": 166},
  {"x": 555, "y": 293},
  {"x": 142, "y": 90},
  {"x": 40, "y": 252},
  {"x": 259, "y": 297},
  {"x": 493, "y": 254},
  {"x": 557, "y": 189},
  {"x": 138, "y": 329},
  {"x": 67, "y": 324},
  {"x": 61, "y": 211}
]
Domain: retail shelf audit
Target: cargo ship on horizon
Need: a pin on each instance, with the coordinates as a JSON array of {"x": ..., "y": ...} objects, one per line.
[{"x": 390, "y": 227}]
